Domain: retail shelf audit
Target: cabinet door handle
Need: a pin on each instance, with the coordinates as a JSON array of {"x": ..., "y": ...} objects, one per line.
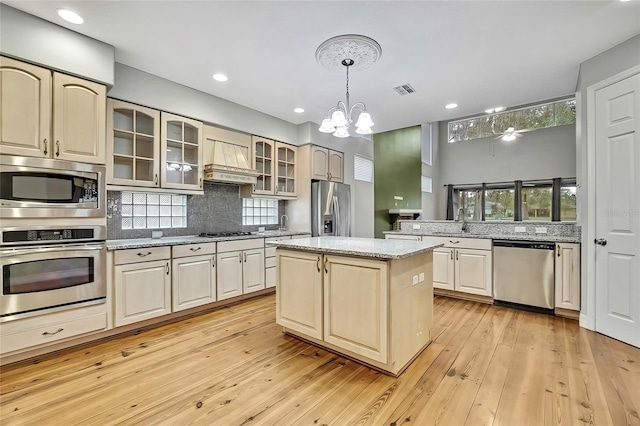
[
  {"x": 46, "y": 333},
  {"x": 144, "y": 254},
  {"x": 57, "y": 148},
  {"x": 253, "y": 187},
  {"x": 454, "y": 242},
  {"x": 200, "y": 182},
  {"x": 167, "y": 266},
  {"x": 329, "y": 175},
  {"x": 326, "y": 269},
  {"x": 451, "y": 254},
  {"x": 155, "y": 180},
  {"x": 46, "y": 151},
  {"x": 213, "y": 262},
  {"x": 240, "y": 258},
  {"x": 558, "y": 249},
  {"x": 245, "y": 257},
  {"x": 318, "y": 264},
  {"x": 194, "y": 249},
  {"x": 457, "y": 255}
]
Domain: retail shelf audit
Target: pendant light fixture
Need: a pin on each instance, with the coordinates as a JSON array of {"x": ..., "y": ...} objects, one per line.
[{"x": 348, "y": 51}]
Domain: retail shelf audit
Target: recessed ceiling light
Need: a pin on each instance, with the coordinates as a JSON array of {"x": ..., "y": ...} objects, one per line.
[
  {"x": 220, "y": 77},
  {"x": 624, "y": 1},
  {"x": 451, "y": 106},
  {"x": 298, "y": 110},
  {"x": 70, "y": 16}
]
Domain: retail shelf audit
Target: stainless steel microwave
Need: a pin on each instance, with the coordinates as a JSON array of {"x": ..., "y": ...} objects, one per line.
[{"x": 42, "y": 187}]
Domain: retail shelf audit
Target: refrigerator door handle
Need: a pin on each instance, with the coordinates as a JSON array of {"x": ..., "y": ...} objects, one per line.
[{"x": 336, "y": 216}]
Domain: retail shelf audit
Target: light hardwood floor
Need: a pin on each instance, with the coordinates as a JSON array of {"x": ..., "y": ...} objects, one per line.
[{"x": 486, "y": 366}]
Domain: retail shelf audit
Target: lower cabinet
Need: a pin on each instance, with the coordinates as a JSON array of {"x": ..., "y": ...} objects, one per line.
[
  {"x": 142, "y": 287},
  {"x": 356, "y": 297},
  {"x": 240, "y": 266},
  {"x": 567, "y": 276},
  {"x": 193, "y": 280}
]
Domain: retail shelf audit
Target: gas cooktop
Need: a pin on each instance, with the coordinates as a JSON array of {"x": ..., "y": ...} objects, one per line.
[{"x": 223, "y": 234}]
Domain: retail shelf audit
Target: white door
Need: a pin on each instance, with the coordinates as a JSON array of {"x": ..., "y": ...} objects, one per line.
[
  {"x": 617, "y": 140},
  {"x": 229, "y": 274}
]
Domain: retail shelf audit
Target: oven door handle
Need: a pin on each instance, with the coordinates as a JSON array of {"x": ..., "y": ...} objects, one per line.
[{"x": 40, "y": 249}]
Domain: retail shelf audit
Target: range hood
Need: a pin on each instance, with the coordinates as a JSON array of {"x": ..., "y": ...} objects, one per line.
[{"x": 230, "y": 164}]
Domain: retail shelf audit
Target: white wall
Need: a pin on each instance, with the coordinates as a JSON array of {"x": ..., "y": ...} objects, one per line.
[
  {"x": 538, "y": 154},
  {"x": 430, "y": 200},
  {"x": 35, "y": 40}
]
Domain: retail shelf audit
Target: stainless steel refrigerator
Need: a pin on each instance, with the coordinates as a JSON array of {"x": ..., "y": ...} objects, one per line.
[{"x": 330, "y": 209}]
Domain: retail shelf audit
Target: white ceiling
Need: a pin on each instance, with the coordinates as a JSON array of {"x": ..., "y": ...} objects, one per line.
[{"x": 478, "y": 54}]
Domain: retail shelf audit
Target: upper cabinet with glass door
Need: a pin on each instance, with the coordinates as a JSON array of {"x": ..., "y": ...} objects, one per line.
[
  {"x": 182, "y": 152},
  {"x": 276, "y": 165},
  {"x": 133, "y": 145}
]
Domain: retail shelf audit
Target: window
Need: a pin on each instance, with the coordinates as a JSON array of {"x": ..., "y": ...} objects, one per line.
[
  {"x": 259, "y": 211},
  {"x": 536, "y": 201},
  {"x": 362, "y": 168},
  {"x": 427, "y": 150},
  {"x": 470, "y": 201},
  {"x": 568, "y": 210},
  {"x": 499, "y": 203},
  {"x": 534, "y": 117},
  {"x": 426, "y": 184},
  {"x": 153, "y": 211}
]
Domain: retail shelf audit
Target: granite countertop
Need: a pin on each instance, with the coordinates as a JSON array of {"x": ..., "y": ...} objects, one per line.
[
  {"x": 361, "y": 247},
  {"x": 191, "y": 239},
  {"x": 510, "y": 237}
]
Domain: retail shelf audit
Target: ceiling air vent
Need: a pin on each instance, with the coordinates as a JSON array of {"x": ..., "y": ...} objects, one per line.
[{"x": 405, "y": 89}]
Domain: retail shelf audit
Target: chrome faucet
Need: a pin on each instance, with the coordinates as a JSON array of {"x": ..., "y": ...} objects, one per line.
[
  {"x": 283, "y": 222},
  {"x": 464, "y": 219}
]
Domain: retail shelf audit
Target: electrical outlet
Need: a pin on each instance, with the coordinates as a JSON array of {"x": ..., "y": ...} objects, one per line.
[
  {"x": 421, "y": 277},
  {"x": 260, "y": 228},
  {"x": 416, "y": 227},
  {"x": 541, "y": 230},
  {"x": 521, "y": 229},
  {"x": 414, "y": 281},
  {"x": 397, "y": 197}
]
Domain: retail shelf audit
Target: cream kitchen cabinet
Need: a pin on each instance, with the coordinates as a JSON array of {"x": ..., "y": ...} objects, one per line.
[
  {"x": 276, "y": 166},
  {"x": 270, "y": 261},
  {"x": 193, "y": 280},
  {"x": 240, "y": 265},
  {"x": 133, "y": 145},
  {"x": 181, "y": 152},
  {"x": 567, "y": 276},
  {"x": 463, "y": 265},
  {"x": 142, "y": 284},
  {"x": 51, "y": 115},
  {"x": 327, "y": 164}
]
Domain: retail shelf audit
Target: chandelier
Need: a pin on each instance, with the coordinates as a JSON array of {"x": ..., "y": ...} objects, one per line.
[{"x": 349, "y": 51}]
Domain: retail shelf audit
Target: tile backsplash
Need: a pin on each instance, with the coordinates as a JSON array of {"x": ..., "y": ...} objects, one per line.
[{"x": 218, "y": 210}]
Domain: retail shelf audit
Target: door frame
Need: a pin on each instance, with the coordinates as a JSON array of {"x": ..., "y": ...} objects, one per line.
[{"x": 588, "y": 250}]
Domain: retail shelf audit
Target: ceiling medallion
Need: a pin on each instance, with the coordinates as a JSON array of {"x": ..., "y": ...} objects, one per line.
[
  {"x": 353, "y": 51},
  {"x": 363, "y": 50}
]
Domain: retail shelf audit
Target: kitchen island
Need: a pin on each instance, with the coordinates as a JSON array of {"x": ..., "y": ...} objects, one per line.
[{"x": 368, "y": 299}]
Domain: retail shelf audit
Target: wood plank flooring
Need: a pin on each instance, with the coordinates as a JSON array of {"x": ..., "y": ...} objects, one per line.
[{"x": 487, "y": 365}]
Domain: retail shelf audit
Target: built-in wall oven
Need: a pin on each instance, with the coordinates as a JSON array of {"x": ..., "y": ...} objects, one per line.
[
  {"x": 50, "y": 268},
  {"x": 47, "y": 188}
]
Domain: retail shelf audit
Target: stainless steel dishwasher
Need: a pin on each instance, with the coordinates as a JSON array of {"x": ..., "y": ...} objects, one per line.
[{"x": 523, "y": 274}]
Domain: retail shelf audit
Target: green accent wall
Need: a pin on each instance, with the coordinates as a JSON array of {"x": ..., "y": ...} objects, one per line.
[{"x": 397, "y": 171}]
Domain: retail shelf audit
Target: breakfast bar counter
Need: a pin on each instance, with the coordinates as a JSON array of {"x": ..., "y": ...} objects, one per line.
[{"x": 370, "y": 300}]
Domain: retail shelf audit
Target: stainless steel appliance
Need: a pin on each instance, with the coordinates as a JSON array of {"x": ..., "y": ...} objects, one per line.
[
  {"x": 42, "y": 187},
  {"x": 51, "y": 268},
  {"x": 523, "y": 274},
  {"x": 330, "y": 209}
]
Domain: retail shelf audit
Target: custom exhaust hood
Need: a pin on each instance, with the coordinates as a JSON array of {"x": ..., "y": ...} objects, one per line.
[{"x": 230, "y": 164}]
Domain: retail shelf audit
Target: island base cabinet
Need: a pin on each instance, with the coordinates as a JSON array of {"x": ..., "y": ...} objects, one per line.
[
  {"x": 356, "y": 307},
  {"x": 299, "y": 292},
  {"x": 143, "y": 291},
  {"x": 193, "y": 282}
]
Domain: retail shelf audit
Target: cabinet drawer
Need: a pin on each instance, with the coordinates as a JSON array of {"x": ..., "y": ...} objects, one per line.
[
  {"x": 286, "y": 237},
  {"x": 146, "y": 254},
  {"x": 239, "y": 245},
  {"x": 269, "y": 251},
  {"x": 193, "y": 249},
  {"x": 269, "y": 262},
  {"x": 52, "y": 330},
  {"x": 456, "y": 242},
  {"x": 270, "y": 277}
]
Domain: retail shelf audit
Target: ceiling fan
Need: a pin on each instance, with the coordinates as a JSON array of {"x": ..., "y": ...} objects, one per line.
[{"x": 509, "y": 135}]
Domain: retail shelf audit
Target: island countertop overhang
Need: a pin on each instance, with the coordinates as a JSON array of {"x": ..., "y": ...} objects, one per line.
[{"x": 360, "y": 247}]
